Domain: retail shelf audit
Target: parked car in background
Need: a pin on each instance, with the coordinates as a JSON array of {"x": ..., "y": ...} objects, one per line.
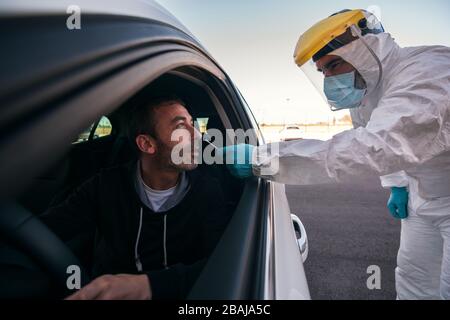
[
  {"x": 56, "y": 82},
  {"x": 290, "y": 133}
]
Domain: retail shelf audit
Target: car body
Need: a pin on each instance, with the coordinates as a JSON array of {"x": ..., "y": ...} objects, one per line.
[
  {"x": 56, "y": 82},
  {"x": 291, "y": 133}
]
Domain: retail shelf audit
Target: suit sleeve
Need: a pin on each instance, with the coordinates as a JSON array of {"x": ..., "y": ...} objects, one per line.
[
  {"x": 397, "y": 179},
  {"x": 410, "y": 126}
]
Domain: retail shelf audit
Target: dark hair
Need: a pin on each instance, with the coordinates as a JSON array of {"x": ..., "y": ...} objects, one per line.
[{"x": 142, "y": 117}]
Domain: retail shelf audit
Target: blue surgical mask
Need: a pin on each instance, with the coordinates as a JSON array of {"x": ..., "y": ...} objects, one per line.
[{"x": 341, "y": 92}]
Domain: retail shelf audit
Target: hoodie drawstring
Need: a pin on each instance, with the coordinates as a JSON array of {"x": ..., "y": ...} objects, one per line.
[
  {"x": 136, "y": 254},
  {"x": 165, "y": 239}
]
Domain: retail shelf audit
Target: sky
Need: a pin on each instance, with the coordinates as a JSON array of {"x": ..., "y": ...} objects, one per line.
[{"x": 254, "y": 41}]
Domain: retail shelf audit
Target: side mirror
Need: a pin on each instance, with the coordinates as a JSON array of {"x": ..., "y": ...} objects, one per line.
[{"x": 302, "y": 237}]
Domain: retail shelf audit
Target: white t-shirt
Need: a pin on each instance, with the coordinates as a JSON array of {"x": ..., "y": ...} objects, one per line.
[
  {"x": 161, "y": 200},
  {"x": 158, "y": 197}
]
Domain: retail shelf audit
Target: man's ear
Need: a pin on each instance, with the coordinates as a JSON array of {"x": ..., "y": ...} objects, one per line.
[{"x": 146, "y": 144}]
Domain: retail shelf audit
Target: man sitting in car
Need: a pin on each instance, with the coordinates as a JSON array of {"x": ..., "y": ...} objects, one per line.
[{"x": 156, "y": 222}]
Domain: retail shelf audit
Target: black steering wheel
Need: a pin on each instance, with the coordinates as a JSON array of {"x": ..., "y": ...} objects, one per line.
[{"x": 26, "y": 232}]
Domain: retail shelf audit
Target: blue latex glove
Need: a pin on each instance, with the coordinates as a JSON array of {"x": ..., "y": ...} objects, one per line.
[
  {"x": 241, "y": 167},
  {"x": 398, "y": 203}
]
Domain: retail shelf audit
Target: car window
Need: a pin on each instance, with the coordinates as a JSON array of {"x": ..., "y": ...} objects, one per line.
[
  {"x": 101, "y": 128},
  {"x": 201, "y": 124},
  {"x": 255, "y": 123}
]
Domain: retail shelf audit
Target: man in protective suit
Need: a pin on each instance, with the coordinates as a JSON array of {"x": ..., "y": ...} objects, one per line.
[{"x": 399, "y": 100}]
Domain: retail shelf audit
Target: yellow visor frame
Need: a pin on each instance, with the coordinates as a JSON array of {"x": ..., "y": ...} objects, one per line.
[{"x": 316, "y": 37}]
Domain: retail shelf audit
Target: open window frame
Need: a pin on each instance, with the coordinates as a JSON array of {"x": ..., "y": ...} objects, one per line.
[{"x": 112, "y": 60}]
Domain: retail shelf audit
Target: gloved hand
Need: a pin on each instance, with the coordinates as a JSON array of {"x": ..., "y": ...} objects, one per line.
[
  {"x": 241, "y": 165},
  {"x": 398, "y": 203}
]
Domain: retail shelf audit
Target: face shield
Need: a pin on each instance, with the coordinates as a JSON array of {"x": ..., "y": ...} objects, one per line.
[{"x": 338, "y": 55}]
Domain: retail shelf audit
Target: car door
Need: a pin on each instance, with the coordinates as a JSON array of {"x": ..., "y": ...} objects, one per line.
[
  {"x": 83, "y": 76},
  {"x": 259, "y": 256},
  {"x": 286, "y": 238},
  {"x": 55, "y": 83}
]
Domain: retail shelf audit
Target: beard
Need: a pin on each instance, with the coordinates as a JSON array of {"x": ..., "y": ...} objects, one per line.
[{"x": 188, "y": 154}]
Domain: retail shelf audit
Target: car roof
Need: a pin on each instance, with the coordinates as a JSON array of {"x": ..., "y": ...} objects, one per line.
[{"x": 146, "y": 9}]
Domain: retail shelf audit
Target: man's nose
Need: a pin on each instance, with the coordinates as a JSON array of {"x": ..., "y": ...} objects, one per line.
[{"x": 328, "y": 73}]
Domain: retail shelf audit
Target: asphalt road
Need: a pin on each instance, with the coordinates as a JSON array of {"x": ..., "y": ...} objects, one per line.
[{"x": 349, "y": 229}]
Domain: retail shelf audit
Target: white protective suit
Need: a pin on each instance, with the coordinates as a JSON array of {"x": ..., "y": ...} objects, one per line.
[{"x": 402, "y": 133}]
